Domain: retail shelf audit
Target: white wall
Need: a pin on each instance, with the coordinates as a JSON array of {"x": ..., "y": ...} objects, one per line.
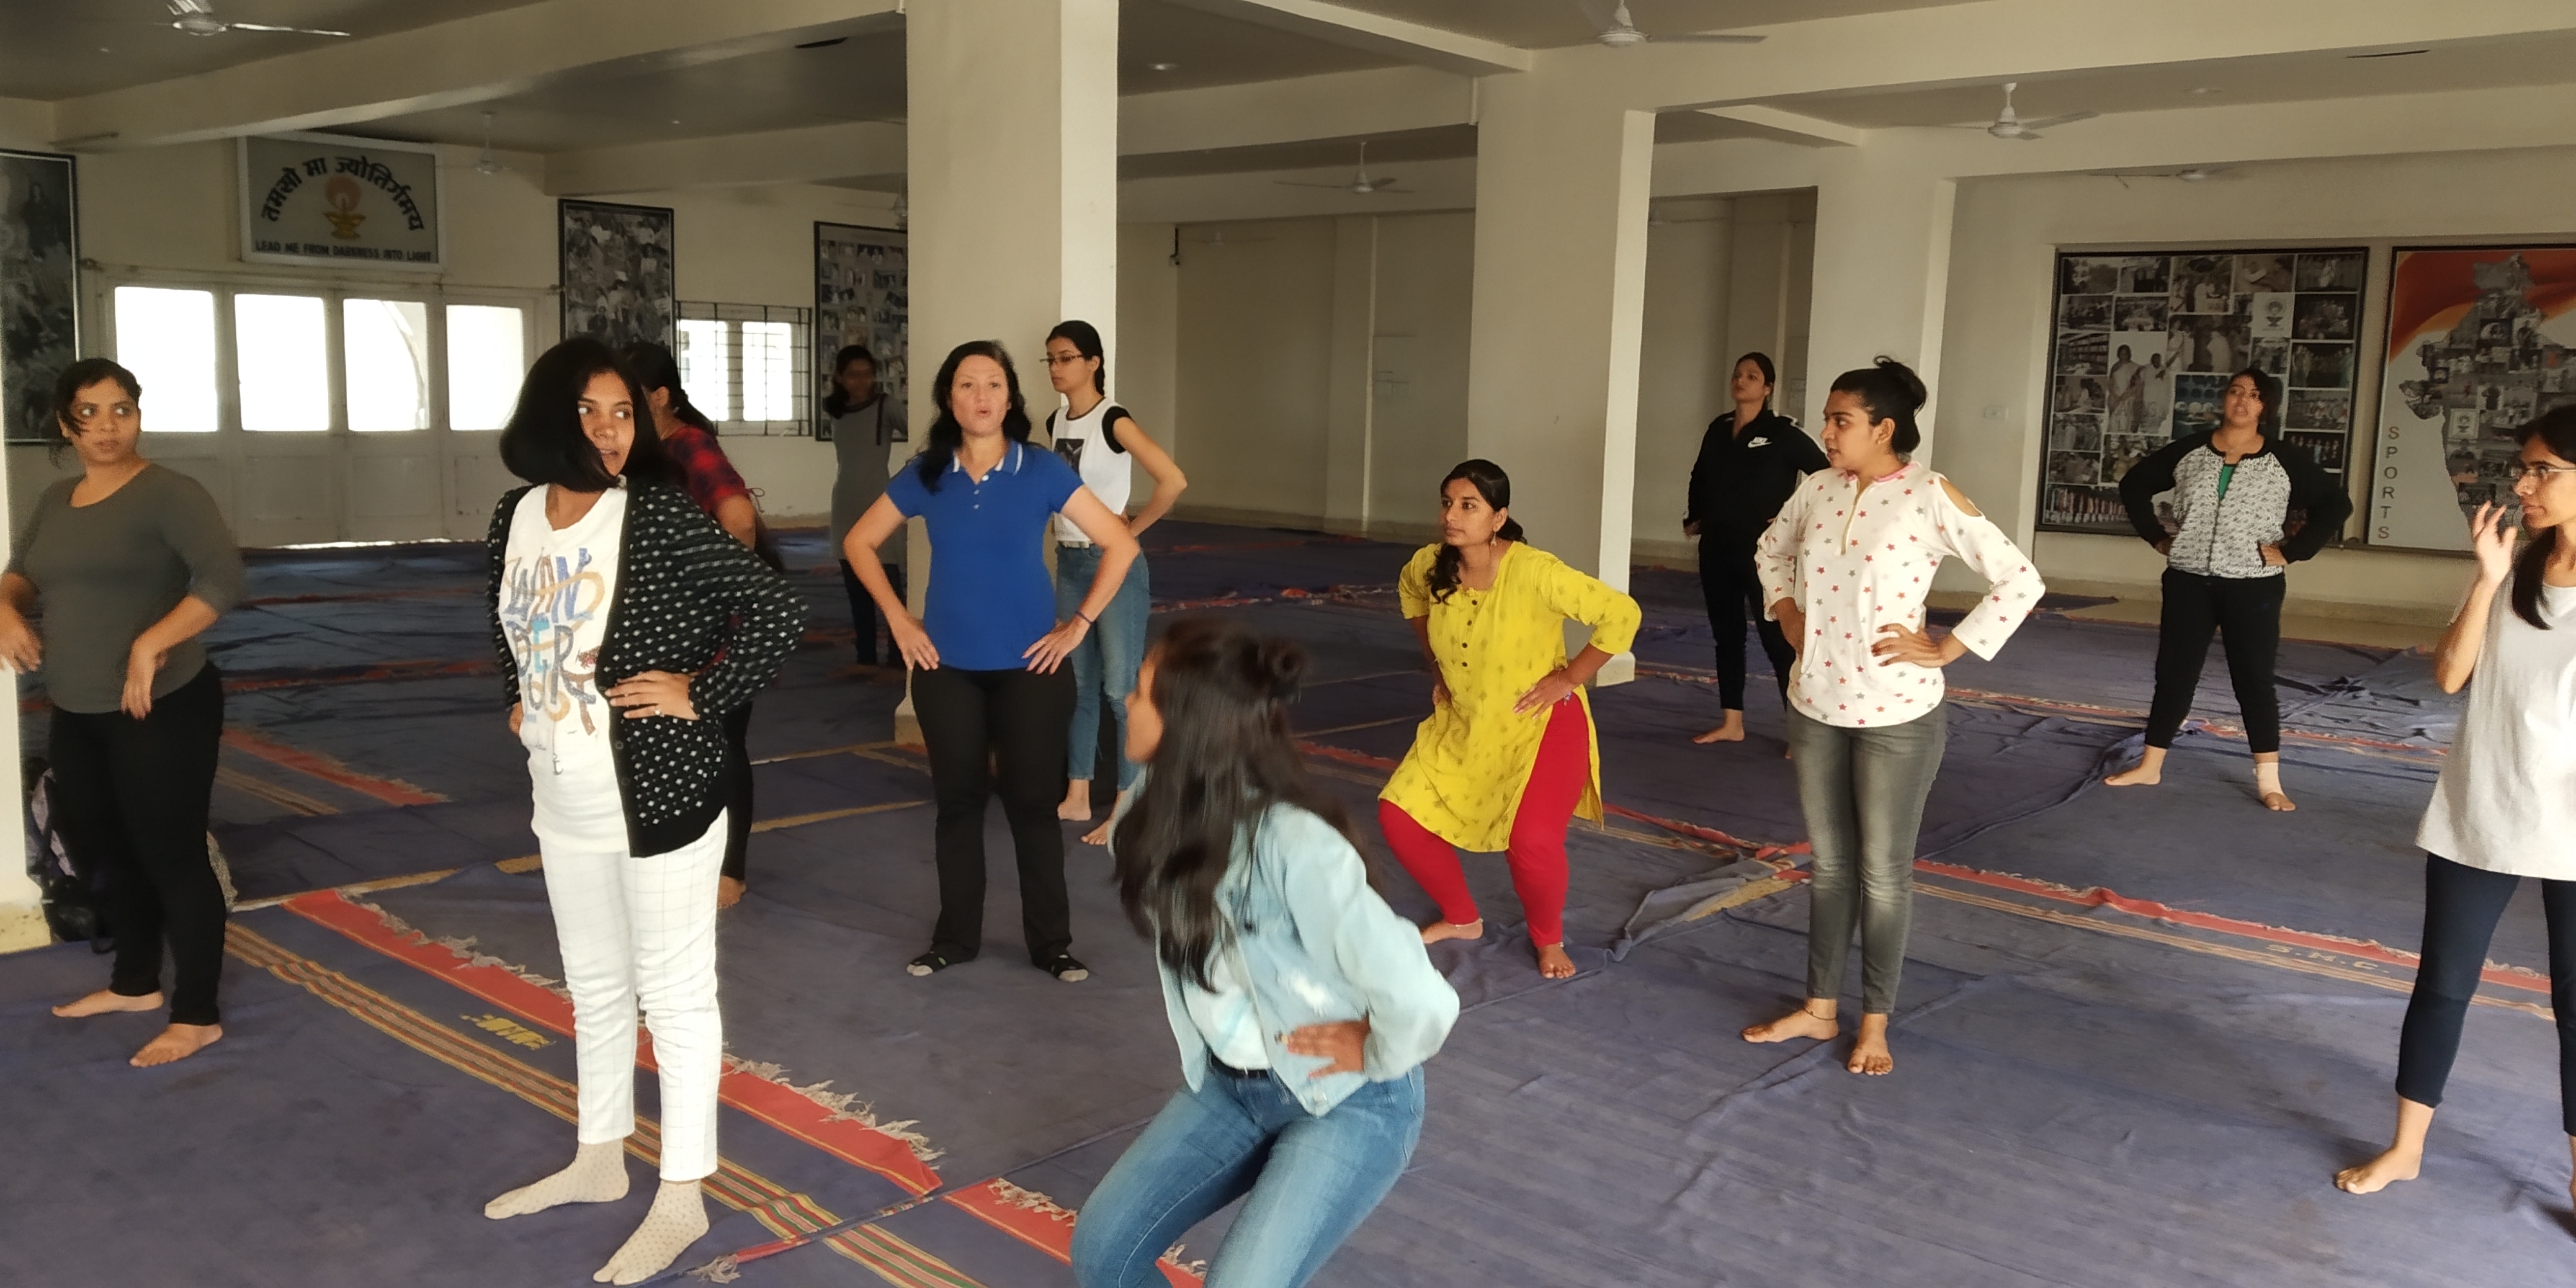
[
  {"x": 175, "y": 210},
  {"x": 1253, "y": 355},
  {"x": 1142, "y": 377},
  {"x": 1997, "y": 333}
]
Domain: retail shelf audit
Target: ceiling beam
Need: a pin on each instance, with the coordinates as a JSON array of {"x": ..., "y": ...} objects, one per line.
[
  {"x": 1434, "y": 47},
  {"x": 805, "y": 155},
  {"x": 452, "y": 64},
  {"x": 1338, "y": 105},
  {"x": 1812, "y": 130}
]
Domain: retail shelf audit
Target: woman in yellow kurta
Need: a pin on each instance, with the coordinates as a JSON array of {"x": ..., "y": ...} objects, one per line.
[{"x": 1508, "y": 756}]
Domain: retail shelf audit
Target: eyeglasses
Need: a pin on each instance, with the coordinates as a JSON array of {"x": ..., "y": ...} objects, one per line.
[{"x": 2538, "y": 472}]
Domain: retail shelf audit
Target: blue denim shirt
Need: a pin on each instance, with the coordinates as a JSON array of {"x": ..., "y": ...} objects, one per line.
[{"x": 1315, "y": 944}]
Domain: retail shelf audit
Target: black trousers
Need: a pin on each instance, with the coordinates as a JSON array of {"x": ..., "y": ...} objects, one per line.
[
  {"x": 2461, "y": 907},
  {"x": 132, "y": 795},
  {"x": 1734, "y": 594},
  {"x": 2245, "y": 612},
  {"x": 987, "y": 730},
  {"x": 863, "y": 608},
  {"x": 737, "y": 858}
]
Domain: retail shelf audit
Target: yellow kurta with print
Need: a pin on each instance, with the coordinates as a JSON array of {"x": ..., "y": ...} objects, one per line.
[{"x": 1472, "y": 759}]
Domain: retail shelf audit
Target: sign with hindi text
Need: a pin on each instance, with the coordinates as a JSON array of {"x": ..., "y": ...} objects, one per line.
[{"x": 315, "y": 199}]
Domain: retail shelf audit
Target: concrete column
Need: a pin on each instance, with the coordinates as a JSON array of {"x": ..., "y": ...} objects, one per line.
[
  {"x": 1561, "y": 191},
  {"x": 1012, "y": 157},
  {"x": 1882, "y": 271},
  {"x": 22, "y": 913},
  {"x": 1350, "y": 440}
]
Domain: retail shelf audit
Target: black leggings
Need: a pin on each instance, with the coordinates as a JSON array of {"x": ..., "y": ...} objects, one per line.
[
  {"x": 2245, "y": 612},
  {"x": 2461, "y": 907},
  {"x": 1005, "y": 729},
  {"x": 1734, "y": 593},
  {"x": 863, "y": 608},
  {"x": 132, "y": 795},
  {"x": 737, "y": 860}
]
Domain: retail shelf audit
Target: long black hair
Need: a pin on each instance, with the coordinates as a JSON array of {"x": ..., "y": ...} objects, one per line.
[
  {"x": 2267, "y": 388},
  {"x": 1085, "y": 339},
  {"x": 1891, "y": 391},
  {"x": 543, "y": 442},
  {"x": 655, "y": 368},
  {"x": 2556, "y": 429},
  {"x": 1496, "y": 487},
  {"x": 1225, "y": 758},
  {"x": 836, "y": 402},
  {"x": 946, "y": 435}
]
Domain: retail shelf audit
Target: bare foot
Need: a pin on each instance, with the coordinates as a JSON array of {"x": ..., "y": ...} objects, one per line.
[
  {"x": 1797, "y": 1024},
  {"x": 1077, "y": 802},
  {"x": 177, "y": 1042},
  {"x": 2381, "y": 1172},
  {"x": 1731, "y": 731},
  {"x": 1869, "y": 1054},
  {"x": 1439, "y": 930},
  {"x": 729, "y": 891},
  {"x": 1098, "y": 835},
  {"x": 2140, "y": 776},
  {"x": 104, "y": 1002},
  {"x": 1553, "y": 963},
  {"x": 2278, "y": 803}
]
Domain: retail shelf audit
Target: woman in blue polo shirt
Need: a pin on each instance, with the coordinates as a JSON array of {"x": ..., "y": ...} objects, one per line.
[{"x": 986, "y": 655}]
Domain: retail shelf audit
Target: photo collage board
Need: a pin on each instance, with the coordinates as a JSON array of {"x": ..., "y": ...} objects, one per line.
[
  {"x": 2143, "y": 346},
  {"x": 862, "y": 295}
]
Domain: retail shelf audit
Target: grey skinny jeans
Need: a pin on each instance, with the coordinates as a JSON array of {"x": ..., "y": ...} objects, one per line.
[{"x": 1863, "y": 792}]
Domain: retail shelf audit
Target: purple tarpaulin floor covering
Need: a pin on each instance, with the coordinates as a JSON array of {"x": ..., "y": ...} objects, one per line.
[{"x": 2085, "y": 1095}]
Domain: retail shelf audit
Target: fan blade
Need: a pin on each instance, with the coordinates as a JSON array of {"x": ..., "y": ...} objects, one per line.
[
  {"x": 1707, "y": 40},
  {"x": 291, "y": 31},
  {"x": 2047, "y": 122},
  {"x": 1598, "y": 14}
]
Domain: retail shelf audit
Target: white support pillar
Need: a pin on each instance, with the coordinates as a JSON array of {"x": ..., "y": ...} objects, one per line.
[
  {"x": 1882, "y": 270},
  {"x": 22, "y": 913},
  {"x": 1561, "y": 192},
  {"x": 1012, "y": 158}
]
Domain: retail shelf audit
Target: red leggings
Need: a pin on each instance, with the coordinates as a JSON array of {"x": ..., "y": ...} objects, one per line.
[{"x": 1537, "y": 851}]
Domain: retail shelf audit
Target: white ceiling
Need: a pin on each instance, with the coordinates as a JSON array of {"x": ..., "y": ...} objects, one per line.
[
  {"x": 53, "y": 49},
  {"x": 1549, "y": 24}
]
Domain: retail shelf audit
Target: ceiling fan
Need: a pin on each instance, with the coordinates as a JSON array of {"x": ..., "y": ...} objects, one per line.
[
  {"x": 1360, "y": 183},
  {"x": 2010, "y": 125},
  {"x": 197, "y": 18},
  {"x": 485, "y": 162},
  {"x": 1613, "y": 27}
]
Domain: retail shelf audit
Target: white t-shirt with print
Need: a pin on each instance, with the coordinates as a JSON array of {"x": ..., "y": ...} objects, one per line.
[{"x": 556, "y": 587}]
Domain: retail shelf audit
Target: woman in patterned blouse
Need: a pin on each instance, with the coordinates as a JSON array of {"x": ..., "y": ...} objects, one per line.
[
  {"x": 1845, "y": 569},
  {"x": 1508, "y": 756}
]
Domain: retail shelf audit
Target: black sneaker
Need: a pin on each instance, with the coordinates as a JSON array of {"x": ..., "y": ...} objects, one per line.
[{"x": 1066, "y": 968}]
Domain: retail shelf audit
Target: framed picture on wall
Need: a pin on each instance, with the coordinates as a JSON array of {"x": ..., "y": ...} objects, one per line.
[
  {"x": 862, "y": 296},
  {"x": 2480, "y": 340},
  {"x": 332, "y": 201},
  {"x": 619, "y": 282},
  {"x": 2143, "y": 347},
  {"x": 39, "y": 286}
]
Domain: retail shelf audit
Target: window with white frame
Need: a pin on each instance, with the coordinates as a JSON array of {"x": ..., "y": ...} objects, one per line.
[
  {"x": 749, "y": 367},
  {"x": 297, "y": 358}
]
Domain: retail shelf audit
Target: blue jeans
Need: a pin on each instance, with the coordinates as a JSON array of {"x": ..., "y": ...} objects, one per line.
[
  {"x": 1311, "y": 1180},
  {"x": 1104, "y": 664}
]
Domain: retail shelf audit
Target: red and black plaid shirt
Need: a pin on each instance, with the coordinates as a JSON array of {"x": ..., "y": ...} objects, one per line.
[{"x": 709, "y": 476}]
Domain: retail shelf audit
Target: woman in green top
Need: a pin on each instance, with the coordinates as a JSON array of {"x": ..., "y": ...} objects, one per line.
[{"x": 132, "y": 563}]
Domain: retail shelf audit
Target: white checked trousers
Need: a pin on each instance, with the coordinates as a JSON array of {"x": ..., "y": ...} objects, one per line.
[{"x": 642, "y": 932}]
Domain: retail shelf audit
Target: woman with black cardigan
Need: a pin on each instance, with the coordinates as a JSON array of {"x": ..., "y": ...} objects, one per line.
[
  {"x": 628, "y": 626},
  {"x": 2246, "y": 506},
  {"x": 987, "y": 654}
]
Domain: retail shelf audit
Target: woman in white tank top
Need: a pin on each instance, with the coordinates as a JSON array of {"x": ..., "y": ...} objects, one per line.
[{"x": 1103, "y": 444}]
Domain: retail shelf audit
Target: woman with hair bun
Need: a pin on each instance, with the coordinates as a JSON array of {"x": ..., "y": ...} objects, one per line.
[
  {"x": 1508, "y": 756},
  {"x": 2247, "y": 506},
  {"x": 1303, "y": 1006},
  {"x": 1845, "y": 569}
]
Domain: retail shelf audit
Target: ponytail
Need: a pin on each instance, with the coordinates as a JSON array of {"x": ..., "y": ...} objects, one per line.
[{"x": 1496, "y": 487}]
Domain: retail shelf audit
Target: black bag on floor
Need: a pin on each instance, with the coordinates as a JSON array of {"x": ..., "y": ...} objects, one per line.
[{"x": 75, "y": 899}]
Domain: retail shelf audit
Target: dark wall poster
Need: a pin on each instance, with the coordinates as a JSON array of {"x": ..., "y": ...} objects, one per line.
[
  {"x": 39, "y": 287},
  {"x": 619, "y": 282},
  {"x": 2144, "y": 345},
  {"x": 862, "y": 295}
]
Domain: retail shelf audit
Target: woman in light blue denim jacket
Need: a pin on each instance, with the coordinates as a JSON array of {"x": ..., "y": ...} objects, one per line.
[{"x": 1303, "y": 1005}]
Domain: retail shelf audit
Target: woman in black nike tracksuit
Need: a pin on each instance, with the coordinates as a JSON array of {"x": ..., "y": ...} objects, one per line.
[
  {"x": 1749, "y": 463},
  {"x": 2246, "y": 506}
]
